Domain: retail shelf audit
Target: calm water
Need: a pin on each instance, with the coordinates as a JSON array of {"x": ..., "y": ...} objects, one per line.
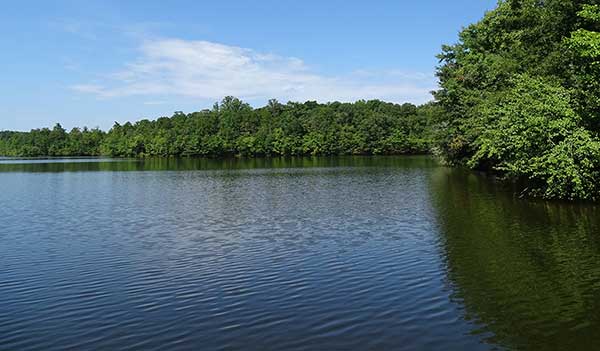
[{"x": 393, "y": 253}]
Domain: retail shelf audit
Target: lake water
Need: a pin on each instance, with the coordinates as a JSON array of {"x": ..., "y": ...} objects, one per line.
[{"x": 350, "y": 253}]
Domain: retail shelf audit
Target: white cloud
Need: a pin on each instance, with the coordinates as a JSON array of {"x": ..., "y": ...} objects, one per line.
[{"x": 210, "y": 71}]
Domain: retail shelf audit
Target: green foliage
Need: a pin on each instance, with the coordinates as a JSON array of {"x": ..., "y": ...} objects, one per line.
[
  {"x": 233, "y": 127},
  {"x": 590, "y": 12},
  {"x": 585, "y": 43},
  {"x": 520, "y": 96},
  {"x": 535, "y": 136},
  {"x": 52, "y": 142}
]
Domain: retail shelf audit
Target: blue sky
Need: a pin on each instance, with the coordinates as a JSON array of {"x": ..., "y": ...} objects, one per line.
[{"x": 91, "y": 63}]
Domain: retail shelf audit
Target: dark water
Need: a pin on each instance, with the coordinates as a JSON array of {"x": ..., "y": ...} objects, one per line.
[{"x": 393, "y": 253}]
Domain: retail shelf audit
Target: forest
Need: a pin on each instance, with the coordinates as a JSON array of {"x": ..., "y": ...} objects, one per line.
[
  {"x": 234, "y": 128},
  {"x": 518, "y": 97}
]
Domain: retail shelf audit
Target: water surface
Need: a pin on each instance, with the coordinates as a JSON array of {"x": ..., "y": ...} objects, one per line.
[{"x": 364, "y": 253}]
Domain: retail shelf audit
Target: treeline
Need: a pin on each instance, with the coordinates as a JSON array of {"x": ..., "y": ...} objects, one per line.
[
  {"x": 520, "y": 94},
  {"x": 233, "y": 127},
  {"x": 52, "y": 142}
]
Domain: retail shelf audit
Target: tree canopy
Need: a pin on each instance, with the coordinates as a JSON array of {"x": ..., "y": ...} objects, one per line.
[
  {"x": 520, "y": 95},
  {"x": 233, "y": 127}
]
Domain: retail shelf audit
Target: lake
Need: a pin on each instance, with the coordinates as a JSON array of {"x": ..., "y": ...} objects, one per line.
[{"x": 345, "y": 253}]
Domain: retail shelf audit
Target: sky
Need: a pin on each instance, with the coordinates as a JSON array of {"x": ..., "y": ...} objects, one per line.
[{"x": 91, "y": 63}]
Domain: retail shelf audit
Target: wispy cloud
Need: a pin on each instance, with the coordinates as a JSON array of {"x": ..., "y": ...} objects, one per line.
[
  {"x": 95, "y": 30},
  {"x": 89, "y": 88},
  {"x": 210, "y": 71}
]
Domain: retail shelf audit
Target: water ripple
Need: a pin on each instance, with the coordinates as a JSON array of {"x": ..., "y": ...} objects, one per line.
[{"x": 285, "y": 258}]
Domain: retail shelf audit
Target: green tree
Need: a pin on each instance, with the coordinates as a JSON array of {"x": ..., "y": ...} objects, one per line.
[{"x": 520, "y": 96}]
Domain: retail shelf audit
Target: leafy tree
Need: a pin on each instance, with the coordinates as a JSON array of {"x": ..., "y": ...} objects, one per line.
[
  {"x": 520, "y": 96},
  {"x": 233, "y": 127}
]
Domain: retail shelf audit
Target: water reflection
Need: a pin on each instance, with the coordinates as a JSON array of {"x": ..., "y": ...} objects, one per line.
[
  {"x": 289, "y": 254},
  {"x": 189, "y": 164},
  {"x": 281, "y": 254},
  {"x": 526, "y": 271}
]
